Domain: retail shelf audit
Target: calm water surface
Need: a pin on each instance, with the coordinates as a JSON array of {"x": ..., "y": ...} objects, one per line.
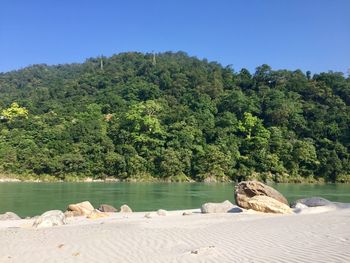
[{"x": 29, "y": 199}]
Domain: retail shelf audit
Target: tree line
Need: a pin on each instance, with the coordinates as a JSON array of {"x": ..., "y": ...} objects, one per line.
[{"x": 173, "y": 117}]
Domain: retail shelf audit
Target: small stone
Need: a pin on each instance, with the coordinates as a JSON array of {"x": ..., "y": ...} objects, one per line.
[
  {"x": 187, "y": 213},
  {"x": 161, "y": 212},
  {"x": 125, "y": 209},
  {"x": 107, "y": 208},
  {"x": 148, "y": 215}
]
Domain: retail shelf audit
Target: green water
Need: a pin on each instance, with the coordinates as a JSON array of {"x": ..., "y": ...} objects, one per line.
[{"x": 29, "y": 199}]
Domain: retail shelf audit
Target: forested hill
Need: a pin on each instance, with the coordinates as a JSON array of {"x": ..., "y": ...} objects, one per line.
[{"x": 174, "y": 117}]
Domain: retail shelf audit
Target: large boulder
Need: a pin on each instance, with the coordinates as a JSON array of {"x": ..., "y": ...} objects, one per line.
[
  {"x": 267, "y": 204},
  {"x": 312, "y": 202},
  {"x": 125, "y": 209},
  {"x": 83, "y": 209},
  {"x": 248, "y": 189},
  {"x": 224, "y": 207},
  {"x": 9, "y": 216},
  {"x": 50, "y": 218},
  {"x": 107, "y": 208}
]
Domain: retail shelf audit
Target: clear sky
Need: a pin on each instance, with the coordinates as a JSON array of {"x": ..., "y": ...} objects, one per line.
[{"x": 307, "y": 34}]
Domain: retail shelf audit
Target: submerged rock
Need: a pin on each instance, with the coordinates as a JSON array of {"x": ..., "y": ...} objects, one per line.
[
  {"x": 267, "y": 204},
  {"x": 50, "y": 218},
  {"x": 224, "y": 207},
  {"x": 248, "y": 189},
  {"x": 125, "y": 209},
  {"x": 9, "y": 216},
  {"x": 312, "y": 202},
  {"x": 107, "y": 208},
  {"x": 83, "y": 209}
]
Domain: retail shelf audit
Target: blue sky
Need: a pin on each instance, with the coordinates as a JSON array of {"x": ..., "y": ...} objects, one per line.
[{"x": 307, "y": 34}]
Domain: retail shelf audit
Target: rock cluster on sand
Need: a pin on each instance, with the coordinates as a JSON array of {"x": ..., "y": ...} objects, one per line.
[
  {"x": 107, "y": 208},
  {"x": 223, "y": 207},
  {"x": 9, "y": 216},
  {"x": 260, "y": 197},
  {"x": 50, "y": 218}
]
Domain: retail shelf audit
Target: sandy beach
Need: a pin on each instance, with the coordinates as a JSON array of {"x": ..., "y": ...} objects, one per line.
[{"x": 317, "y": 235}]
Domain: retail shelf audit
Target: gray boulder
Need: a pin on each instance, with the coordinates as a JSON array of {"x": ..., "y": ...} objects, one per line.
[
  {"x": 312, "y": 202},
  {"x": 107, "y": 208},
  {"x": 224, "y": 207},
  {"x": 50, "y": 218},
  {"x": 9, "y": 216}
]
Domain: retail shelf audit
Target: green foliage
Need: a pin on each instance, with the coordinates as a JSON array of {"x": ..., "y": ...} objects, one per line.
[
  {"x": 181, "y": 119},
  {"x": 14, "y": 111}
]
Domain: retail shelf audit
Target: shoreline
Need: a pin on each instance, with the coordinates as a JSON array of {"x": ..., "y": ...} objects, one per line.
[
  {"x": 317, "y": 236},
  {"x": 17, "y": 179}
]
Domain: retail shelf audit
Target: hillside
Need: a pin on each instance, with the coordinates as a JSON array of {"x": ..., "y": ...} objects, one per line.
[{"x": 174, "y": 117}]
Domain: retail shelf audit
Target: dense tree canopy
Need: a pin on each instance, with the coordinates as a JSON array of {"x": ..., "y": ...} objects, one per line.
[{"x": 178, "y": 119}]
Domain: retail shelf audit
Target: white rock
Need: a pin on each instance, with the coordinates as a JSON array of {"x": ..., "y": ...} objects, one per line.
[
  {"x": 50, "y": 218},
  {"x": 125, "y": 209},
  {"x": 224, "y": 207}
]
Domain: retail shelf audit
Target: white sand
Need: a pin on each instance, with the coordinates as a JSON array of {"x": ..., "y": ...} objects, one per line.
[{"x": 317, "y": 236}]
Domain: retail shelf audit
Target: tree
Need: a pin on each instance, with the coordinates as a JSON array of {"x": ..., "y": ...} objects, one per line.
[{"x": 14, "y": 112}]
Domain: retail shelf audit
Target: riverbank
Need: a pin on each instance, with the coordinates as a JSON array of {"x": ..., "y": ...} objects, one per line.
[
  {"x": 5, "y": 178},
  {"x": 314, "y": 236}
]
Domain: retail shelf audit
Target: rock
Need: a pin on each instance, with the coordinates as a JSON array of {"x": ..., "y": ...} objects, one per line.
[
  {"x": 187, "y": 213},
  {"x": 161, "y": 212},
  {"x": 83, "y": 208},
  {"x": 71, "y": 213},
  {"x": 312, "y": 202},
  {"x": 50, "y": 218},
  {"x": 9, "y": 216},
  {"x": 341, "y": 205},
  {"x": 268, "y": 204},
  {"x": 299, "y": 208},
  {"x": 95, "y": 214},
  {"x": 224, "y": 207},
  {"x": 125, "y": 209},
  {"x": 148, "y": 215},
  {"x": 107, "y": 208},
  {"x": 248, "y": 189}
]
